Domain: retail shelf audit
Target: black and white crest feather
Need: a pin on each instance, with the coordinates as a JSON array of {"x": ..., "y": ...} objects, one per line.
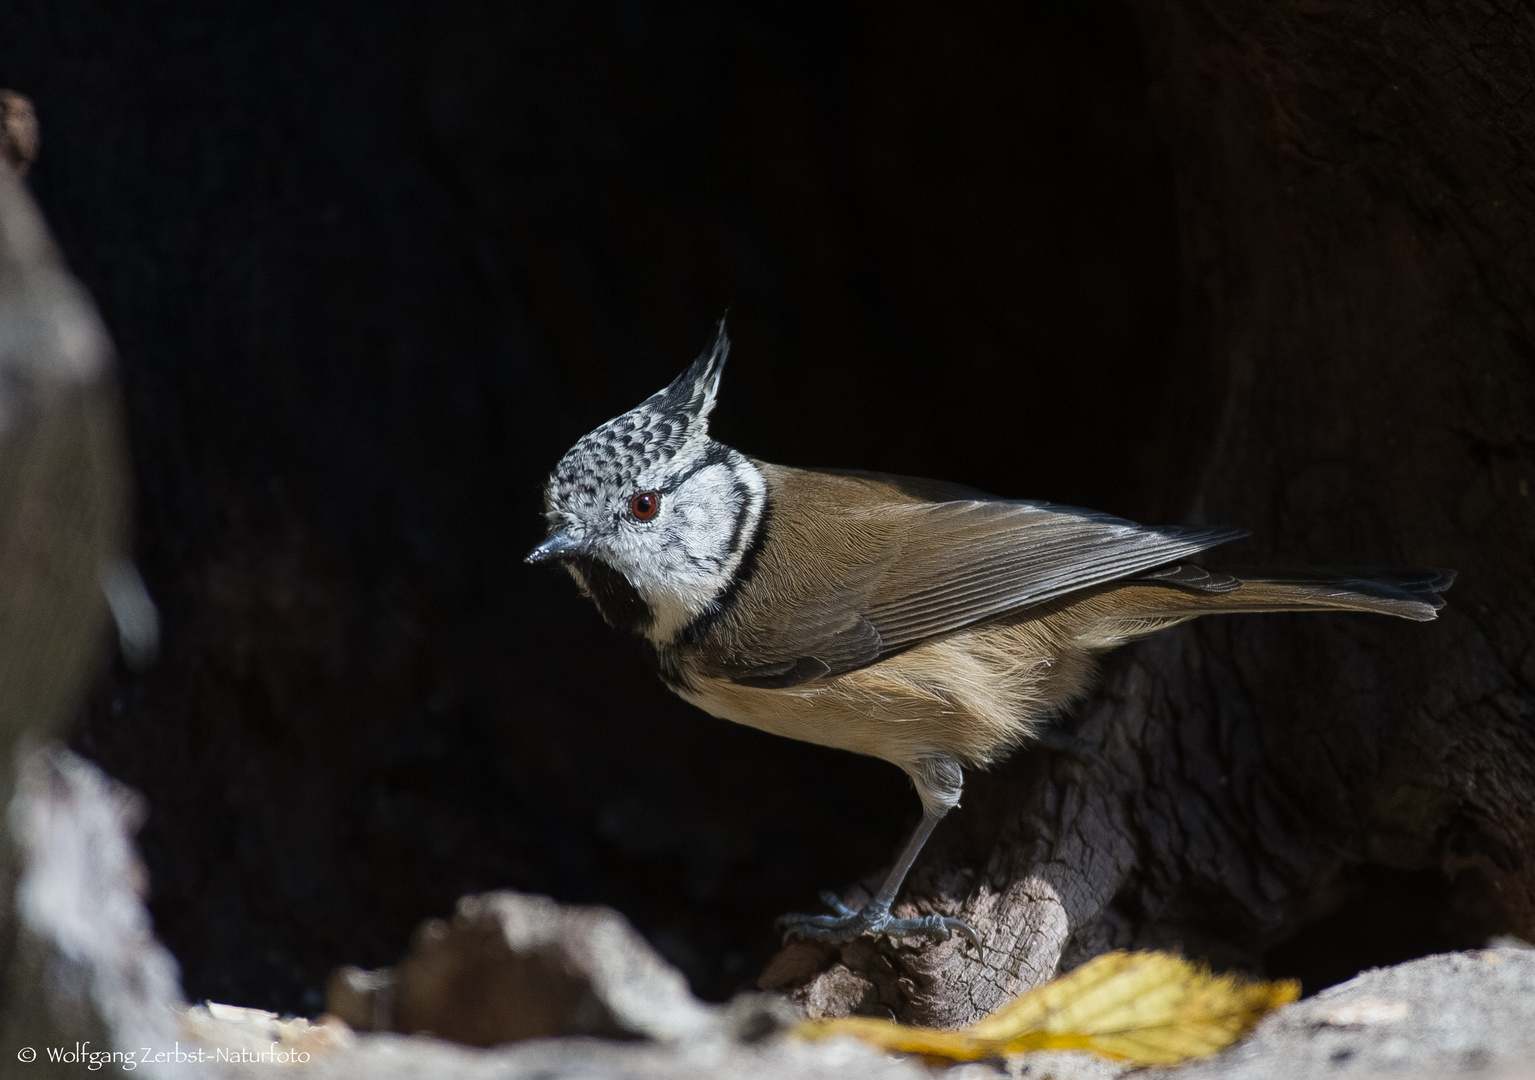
[
  {"x": 669, "y": 425},
  {"x": 656, "y": 575}
]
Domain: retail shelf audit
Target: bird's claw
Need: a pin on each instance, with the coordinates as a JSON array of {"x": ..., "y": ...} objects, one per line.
[
  {"x": 831, "y": 900},
  {"x": 874, "y": 918}
]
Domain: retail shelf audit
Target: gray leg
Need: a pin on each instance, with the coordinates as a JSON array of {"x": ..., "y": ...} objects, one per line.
[{"x": 938, "y": 782}]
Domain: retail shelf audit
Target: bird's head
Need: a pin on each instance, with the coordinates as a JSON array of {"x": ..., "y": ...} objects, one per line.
[{"x": 650, "y": 516}]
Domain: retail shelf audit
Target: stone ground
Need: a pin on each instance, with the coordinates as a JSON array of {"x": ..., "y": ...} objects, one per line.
[{"x": 594, "y": 996}]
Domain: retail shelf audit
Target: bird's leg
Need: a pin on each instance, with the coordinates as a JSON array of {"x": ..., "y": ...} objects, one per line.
[{"x": 875, "y": 917}]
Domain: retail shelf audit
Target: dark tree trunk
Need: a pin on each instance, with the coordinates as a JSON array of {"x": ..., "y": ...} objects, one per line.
[{"x": 1356, "y": 385}]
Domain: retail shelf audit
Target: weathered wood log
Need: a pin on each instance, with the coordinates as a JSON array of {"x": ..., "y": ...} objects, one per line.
[{"x": 1356, "y": 386}]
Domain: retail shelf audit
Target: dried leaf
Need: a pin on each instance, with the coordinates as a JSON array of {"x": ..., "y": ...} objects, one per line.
[{"x": 1149, "y": 1008}]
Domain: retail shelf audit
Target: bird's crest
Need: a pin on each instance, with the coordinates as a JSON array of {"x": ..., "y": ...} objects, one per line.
[{"x": 670, "y": 426}]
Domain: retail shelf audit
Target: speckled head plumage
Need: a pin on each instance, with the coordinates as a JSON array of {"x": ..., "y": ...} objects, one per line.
[
  {"x": 654, "y": 567},
  {"x": 663, "y": 434}
]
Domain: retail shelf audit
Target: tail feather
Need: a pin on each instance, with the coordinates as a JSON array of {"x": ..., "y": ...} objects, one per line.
[{"x": 1410, "y": 593}]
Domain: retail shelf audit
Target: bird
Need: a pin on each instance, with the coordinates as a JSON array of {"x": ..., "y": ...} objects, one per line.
[{"x": 918, "y": 621}]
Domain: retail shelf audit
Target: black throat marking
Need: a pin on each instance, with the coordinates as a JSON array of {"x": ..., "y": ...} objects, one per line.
[{"x": 619, "y": 603}]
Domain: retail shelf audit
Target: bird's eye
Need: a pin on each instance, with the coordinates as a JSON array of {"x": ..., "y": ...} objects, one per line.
[{"x": 645, "y": 505}]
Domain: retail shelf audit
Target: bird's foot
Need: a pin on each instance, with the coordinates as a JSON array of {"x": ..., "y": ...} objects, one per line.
[{"x": 875, "y": 918}]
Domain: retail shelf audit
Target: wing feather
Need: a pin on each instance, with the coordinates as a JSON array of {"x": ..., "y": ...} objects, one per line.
[
  {"x": 960, "y": 563},
  {"x": 899, "y": 571}
]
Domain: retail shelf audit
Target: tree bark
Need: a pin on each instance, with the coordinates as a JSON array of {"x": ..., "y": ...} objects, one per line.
[{"x": 1355, "y": 386}]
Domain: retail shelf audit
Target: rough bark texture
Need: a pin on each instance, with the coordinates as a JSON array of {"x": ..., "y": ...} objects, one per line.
[{"x": 1356, "y": 386}]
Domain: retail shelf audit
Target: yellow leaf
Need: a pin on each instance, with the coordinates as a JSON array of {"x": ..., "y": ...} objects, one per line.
[{"x": 1149, "y": 1008}]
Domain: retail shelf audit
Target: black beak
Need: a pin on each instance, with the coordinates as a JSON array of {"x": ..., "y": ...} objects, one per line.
[{"x": 559, "y": 544}]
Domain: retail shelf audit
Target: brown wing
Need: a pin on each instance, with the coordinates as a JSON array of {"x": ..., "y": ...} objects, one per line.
[{"x": 862, "y": 569}]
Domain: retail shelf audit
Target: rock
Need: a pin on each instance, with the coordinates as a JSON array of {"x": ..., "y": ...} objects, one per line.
[
  {"x": 510, "y": 966},
  {"x": 1452, "y": 1014},
  {"x": 92, "y": 972},
  {"x": 1058, "y": 1065},
  {"x": 87, "y": 968},
  {"x": 363, "y": 1000},
  {"x": 796, "y": 963},
  {"x": 260, "y": 1037},
  {"x": 91, "y": 981},
  {"x": 840, "y": 991},
  {"x": 400, "y": 1057}
]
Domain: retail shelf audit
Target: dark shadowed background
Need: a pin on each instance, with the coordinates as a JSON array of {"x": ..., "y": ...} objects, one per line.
[{"x": 372, "y": 267}]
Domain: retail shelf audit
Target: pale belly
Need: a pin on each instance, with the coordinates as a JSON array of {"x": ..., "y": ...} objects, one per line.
[
  {"x": 816, "y": 715},
  {"x": 949, "y": 697}
]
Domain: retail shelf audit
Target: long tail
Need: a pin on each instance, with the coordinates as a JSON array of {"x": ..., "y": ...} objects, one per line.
[{"x": 1184, "y": 590}]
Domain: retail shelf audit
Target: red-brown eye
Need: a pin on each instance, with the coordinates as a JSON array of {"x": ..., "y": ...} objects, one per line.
[{"x": 645, "y": 505}]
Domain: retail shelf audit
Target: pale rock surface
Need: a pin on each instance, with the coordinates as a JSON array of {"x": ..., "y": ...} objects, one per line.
[{"x": 106, "y": 979}]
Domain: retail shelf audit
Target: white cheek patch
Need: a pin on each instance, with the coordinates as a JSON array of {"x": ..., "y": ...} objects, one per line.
[
  {"x": 683, "y": 560},
  {"x": 702, "y": 522}
]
